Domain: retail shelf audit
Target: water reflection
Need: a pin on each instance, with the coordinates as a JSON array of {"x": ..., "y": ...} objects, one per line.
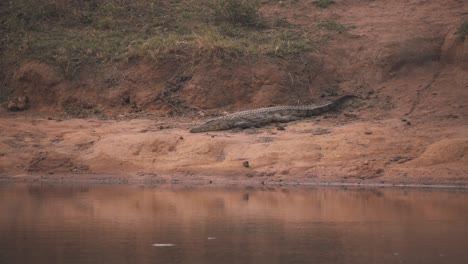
[{"x": 121, "y": 224}]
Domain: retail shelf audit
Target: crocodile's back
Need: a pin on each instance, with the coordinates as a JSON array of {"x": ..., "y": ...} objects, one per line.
[{"x": 302, "y": 109}]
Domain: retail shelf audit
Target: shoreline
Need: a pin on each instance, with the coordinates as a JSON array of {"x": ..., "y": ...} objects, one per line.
[{"x": 204, "y": 182}]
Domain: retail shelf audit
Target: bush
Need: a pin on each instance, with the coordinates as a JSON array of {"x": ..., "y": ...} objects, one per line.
[
  {"x": 240, "y": 12},
  {"x": 323, "y": 3}
]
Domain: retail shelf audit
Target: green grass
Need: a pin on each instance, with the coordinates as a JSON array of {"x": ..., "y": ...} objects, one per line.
[
  {"x": 71, "y": 34},
  {"x": 70, "y": 49},
  {"x": 323, "y": 3},
  {"x": 462, "y": 29},
  {"x": 211, "y": 44}
]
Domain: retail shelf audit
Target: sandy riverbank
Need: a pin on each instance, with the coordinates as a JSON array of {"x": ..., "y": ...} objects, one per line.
[{"x": 329, "y": 149}]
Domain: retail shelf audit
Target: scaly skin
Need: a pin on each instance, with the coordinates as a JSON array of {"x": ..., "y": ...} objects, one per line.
[{"x": 264, "y": 116}]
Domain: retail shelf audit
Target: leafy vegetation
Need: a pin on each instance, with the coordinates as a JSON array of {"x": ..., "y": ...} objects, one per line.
[{"x": 323, "y": 3}]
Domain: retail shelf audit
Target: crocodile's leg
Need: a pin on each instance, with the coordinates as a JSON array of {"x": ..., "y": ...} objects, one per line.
[{"x": 244, "y": 123}]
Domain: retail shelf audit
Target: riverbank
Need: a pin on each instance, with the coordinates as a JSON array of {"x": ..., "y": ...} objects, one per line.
[
  {"x": 107, "y": 92},
  {"x": 331, "y": 149}
]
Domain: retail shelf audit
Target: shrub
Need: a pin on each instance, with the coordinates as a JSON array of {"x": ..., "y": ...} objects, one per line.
[
  {"x": 323, "y": 3},
  {"x": 241, "y": 12}
]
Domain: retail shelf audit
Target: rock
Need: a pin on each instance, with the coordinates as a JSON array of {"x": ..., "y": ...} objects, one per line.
[
  {"x": 19, "y": 103},
  {"x": 22, "y": 103},
  {"x": 280, "y": 127},
  {"x": 246, "y": 164}
]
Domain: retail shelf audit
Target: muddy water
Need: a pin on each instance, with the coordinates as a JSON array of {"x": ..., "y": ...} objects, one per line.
[{"x": 48, "y": 223}]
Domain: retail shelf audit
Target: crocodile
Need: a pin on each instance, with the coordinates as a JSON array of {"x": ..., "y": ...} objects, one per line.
[{"x": 264, "y": 116}]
